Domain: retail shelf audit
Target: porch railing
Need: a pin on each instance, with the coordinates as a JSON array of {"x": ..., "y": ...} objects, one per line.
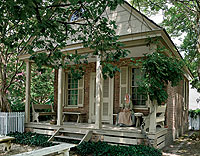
[{"x": 11, "y": 122}]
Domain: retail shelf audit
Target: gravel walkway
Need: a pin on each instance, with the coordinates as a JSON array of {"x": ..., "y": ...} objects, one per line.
[{"x": 184, "y": 146}]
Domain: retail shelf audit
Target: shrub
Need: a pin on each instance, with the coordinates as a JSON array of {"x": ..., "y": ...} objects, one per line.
[
  {"x": 194, "y": 113},
  {"x": 32, "y": 139},
  {"x": 104, "y": 149}
]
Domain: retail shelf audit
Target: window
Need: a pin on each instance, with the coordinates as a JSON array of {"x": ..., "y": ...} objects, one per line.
[
  {"x": 77, "y": 15},
  {"x": 129, "y": 78},
  {"x": 74, "y": 92},
  {"x": 137, "y": 98}
]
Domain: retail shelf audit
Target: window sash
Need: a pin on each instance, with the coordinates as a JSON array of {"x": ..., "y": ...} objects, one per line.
[
  {"x": 137, "y": 99},
  {"x": 72, "y": 91}
]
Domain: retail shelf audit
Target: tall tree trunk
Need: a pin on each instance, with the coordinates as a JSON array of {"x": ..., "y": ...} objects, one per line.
[{"x": 5, "y": 105}]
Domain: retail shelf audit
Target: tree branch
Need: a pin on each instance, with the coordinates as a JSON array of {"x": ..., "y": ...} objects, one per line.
[
  {"x": 72, "y": 23},
  {"x": 16, "y": 71}
]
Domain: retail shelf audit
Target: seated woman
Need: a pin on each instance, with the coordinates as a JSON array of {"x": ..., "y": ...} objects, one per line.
[{"x": 126, "y": 115}]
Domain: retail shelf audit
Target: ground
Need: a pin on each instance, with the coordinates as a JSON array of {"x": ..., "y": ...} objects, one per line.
[
  {"x": 187, "y": 145},
  {"x": 16, "y": 149}
]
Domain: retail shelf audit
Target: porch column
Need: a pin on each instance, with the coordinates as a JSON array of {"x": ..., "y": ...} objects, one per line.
[
  {"x": 99, "y": 92},
  {"x": 28, "y": 88},
  {"x": 60, "y": 97},
  {"x": 153, "y": 110}
]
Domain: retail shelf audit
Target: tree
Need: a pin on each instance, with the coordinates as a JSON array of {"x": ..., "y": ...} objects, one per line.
[
  {"x": 42, "y": 88},
  {"x": 48, "y": 26},
  {"x": 180, "y": 17},
  {"x": 158, "y": 71}
]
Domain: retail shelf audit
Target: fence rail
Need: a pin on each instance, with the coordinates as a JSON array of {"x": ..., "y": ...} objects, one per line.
[
  {"x": 194, "y": 123},
  {"x": 11, "y": 122}
]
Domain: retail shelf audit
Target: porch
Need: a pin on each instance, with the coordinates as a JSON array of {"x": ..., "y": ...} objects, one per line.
[
  {"x": 108, "y": 133},
  {"x": 99, "y": 107}
]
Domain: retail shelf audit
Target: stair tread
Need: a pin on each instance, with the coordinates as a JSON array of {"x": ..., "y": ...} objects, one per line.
[
  {"x": 57, "y": 142},
  {"x": 75, "y": 132},
  {"x": 68, "y": 137}
]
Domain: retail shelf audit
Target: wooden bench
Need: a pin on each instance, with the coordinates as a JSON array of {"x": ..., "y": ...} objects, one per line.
[
  {"x": 78, "y": 114},
  {"x": 6, "y": 141},
  {"x": 61, "y": 149},
  {"x": 160, "y": 117},
  {"x": 41, "y": 107},
  {"x": 138, "y": 116}
]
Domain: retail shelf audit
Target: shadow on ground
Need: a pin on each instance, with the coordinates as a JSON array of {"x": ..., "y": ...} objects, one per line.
[{"x": 187, "y": 145}]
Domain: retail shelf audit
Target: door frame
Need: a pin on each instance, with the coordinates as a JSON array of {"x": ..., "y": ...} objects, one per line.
[{"x": 110, "y": 113}]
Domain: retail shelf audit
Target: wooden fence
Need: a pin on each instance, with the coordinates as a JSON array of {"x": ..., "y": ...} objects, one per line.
[
  {"x": 11, "y": 122},
  {"x": 194, "y": 123}
]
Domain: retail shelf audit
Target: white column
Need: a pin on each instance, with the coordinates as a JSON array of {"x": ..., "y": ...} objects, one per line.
[
  {"x": 28, "y": 88},
  {"x": 99, "y": 93},
  {"x": 60, "y": 97},
  {"x": 153, "y": 110}
]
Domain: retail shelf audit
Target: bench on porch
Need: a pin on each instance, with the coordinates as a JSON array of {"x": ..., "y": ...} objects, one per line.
[
  {"x": 137, "y": 116},
  {"x": 40, "y": 107},
  {"x": 78, "y": 114},
  {"x": 160, "y": 117},
  {"x": 6, "y": 141}
]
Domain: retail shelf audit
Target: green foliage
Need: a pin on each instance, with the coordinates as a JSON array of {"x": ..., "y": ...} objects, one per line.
[
  {"x": 181, "y": 20},
  {"x": 194, "y": 113},
  {"x": 42, "y": 88},
  {"x": 30, "y": 25},
  {"x": 102, "y": 149},
  {"x": 159, "y": 70},
  {"x": 32, "y": 139}
]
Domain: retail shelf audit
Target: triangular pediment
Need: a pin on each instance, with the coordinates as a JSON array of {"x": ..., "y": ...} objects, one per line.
[{"x": 129, "y": 20}]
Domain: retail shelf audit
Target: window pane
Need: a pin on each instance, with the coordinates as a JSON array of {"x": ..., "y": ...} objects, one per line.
[
  {"x": 137, "y": 98},
  {"x": 72, "y": 90}
]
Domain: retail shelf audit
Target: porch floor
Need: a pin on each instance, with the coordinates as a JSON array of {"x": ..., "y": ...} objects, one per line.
[
  {"x": 109, "y": 133},
  {"x": 88, "y": 126}
]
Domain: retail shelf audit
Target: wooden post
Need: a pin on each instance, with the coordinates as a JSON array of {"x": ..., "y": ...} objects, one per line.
[
  {"x": 153, "y": 109},
  {"x": 99, "y": 93},
  {"x": 28, "y": 88},
  {"x": 60, "y": 97}
]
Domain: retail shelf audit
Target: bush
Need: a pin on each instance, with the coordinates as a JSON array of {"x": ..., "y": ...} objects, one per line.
[
  {"x": 104, "y": 149},
  {"x": 194, "y": 113},
  {"x": 32, "y": 139}
]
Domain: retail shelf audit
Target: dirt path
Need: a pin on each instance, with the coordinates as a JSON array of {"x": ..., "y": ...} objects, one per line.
[
  {"x": 188, "y": 145},
  {"x": 16, "y": 149}
]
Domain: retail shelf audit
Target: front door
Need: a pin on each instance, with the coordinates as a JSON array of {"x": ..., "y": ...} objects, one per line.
[{"x": 107, "y": 107}]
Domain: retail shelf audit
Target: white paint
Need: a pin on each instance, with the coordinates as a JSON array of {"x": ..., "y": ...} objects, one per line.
[
  {"x": 193, "y": 95},
  {"x": 194, "y": 123},
  {"x": 28, "y": 90},
  {"x": 60, "y": 97},
  {"x": 99, "y": 93}
]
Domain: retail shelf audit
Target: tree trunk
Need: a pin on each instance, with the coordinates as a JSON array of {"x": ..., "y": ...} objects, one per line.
[{"x": 4, "y": 104}]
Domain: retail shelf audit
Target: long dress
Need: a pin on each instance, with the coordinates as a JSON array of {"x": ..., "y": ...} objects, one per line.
[{"x": 126, "y": 117}]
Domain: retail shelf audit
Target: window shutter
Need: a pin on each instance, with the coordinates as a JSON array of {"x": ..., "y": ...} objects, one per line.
[
  {"x": 81, "y": 92},
  {"x": 123, "y": 84}
]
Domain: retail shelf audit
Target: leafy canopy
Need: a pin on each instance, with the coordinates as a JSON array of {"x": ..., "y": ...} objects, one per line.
[
  {"x": 181, "y": 19},
  {"x": 52, "y": 30},
  {"x": 159, "y": 70},
  {"x": 27, "y": 26}
]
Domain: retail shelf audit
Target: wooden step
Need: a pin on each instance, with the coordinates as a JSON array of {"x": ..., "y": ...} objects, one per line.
[
  {"x": 67, "y": 137},
  {"x": 72, "y": 132},
  {"x": 57, "y": 142}
]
